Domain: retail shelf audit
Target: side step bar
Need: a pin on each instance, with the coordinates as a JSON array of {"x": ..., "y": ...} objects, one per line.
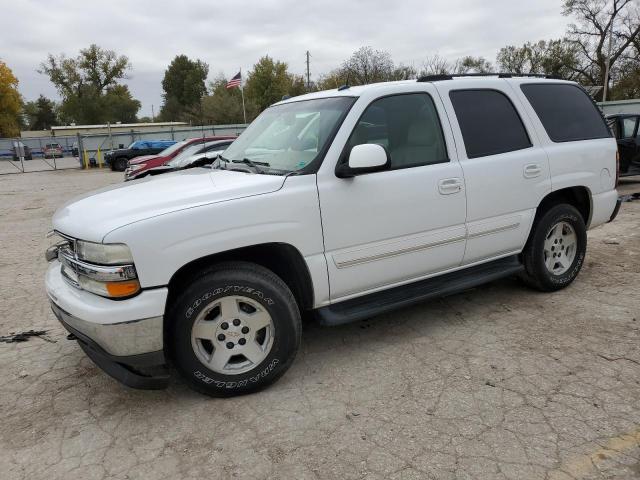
[{"x": 404, "y": 295}]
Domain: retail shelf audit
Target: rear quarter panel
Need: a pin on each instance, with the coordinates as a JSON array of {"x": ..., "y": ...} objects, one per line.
[{"x": 587, "y": 163}]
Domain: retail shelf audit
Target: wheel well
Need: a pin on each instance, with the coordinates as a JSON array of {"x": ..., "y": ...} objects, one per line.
[
  {"x": 579, "y": 197},
  {"x": 282, "y": 259}
]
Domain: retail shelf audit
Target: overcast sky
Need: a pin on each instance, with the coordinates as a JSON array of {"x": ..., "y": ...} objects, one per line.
[{"x": 233, "y": 34}]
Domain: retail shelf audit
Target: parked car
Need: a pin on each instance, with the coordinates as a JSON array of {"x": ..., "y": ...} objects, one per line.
[
  {"x": 626, "y": 128},
  {"x": 347, "y": 203},
  {"x": 118, "y": 159},
  {"x": 196, "y": 155},
  {"x": 139, "y": 165},
  {"x": 53, "y": 150},
  {"x": 19, "y": 149}
]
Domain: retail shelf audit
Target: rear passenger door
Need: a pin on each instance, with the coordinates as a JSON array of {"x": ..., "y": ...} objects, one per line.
[{"x": 505, "y": 168}]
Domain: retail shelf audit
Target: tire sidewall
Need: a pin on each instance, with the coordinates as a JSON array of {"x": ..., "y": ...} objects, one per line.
[
  {"x": 286, "y": 321},
  {"x": 561, "y": 213}
]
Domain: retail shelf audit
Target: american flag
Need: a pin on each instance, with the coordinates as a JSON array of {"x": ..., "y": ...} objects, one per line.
[{"x": 235, "y": 81}]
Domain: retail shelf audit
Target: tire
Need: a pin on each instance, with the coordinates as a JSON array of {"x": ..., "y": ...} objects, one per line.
[
  {"x": 559, "y": 231},
  {"x": 119, "y": 164},
  {"x": 200, "y": 328}
]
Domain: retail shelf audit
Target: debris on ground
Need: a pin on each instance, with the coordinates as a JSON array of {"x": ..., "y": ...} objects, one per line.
[
  {"x": 630, "y": 198},
  {"x": 25, "y": 336},
  {"x": 611, "y": 241}
]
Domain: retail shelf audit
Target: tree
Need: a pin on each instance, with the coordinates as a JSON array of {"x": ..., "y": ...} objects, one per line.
[
  {"x": 84, "y": 81},
  {"x": 269, "y": 81},
  {"x": 471, "y": 64},
  {"x": 41, "y": 114},
  {"x": 184, "y": 86},
  {"x": 600, "y": 23},
  {"x": 557, "y": 58},
  {"x": 366, "y": 65},
  {"x": 437, "y": 65},
  {"x": 10, "y": 102},
  {"x": 119, "y": 104},
  {"x": 224, "y": 105}
]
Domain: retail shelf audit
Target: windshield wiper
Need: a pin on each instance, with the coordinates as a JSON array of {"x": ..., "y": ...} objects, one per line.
[{"x": 252, "y": 164}]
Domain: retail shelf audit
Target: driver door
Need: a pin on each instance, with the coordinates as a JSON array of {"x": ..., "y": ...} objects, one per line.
[{"x": 395, "y": 226}]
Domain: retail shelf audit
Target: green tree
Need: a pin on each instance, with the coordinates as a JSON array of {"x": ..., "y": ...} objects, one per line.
[
  {"x": 558, "y": 58},
  {"x": 10, "y": 102},
  {"x": 366, "y": 65},
  {"x": 119, "y": 104},
  {"x": 224, "y": 105},
  {"x": 41, "y": 114},
  {"x": 184, "y": 86},
  {"x": 269, "y": 81},
  {"x": 84, "y": 81}
]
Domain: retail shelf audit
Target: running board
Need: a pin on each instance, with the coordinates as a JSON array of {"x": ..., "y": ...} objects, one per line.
[{"x": 404, "y": 295}]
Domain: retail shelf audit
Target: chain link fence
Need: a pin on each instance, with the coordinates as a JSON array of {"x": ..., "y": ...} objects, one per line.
[{"x": 37, "y": 154}]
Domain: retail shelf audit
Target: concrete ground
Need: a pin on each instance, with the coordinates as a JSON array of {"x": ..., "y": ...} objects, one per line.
[{"x": 497, "y": 382}]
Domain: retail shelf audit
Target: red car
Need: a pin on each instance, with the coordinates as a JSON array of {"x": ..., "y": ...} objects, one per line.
[{"x": 141, "y": 164}]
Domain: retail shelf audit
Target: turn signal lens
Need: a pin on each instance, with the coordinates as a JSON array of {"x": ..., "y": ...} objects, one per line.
[
  {"x": 617, "y": 168},
  {"x": 122, "y": 289}
]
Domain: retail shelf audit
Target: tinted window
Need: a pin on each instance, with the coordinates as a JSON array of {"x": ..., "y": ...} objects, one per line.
[
  {"x": 407, "y": 126},
  {"x": 489, "y": 122},
  {"x": 566, "y": 112},
  {"x": 628, "y": 127}
]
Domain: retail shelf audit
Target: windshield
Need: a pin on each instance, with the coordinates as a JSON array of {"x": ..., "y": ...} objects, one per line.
[
  {"x": 173, "y": 148},
  {"x": 290, "y": 136},
  {"x": 184, "y": 155}
]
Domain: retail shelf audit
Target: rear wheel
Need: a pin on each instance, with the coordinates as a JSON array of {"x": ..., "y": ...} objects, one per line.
[
  {"x": 555, "y": 251},
  {"x": 235, "y": 330}
]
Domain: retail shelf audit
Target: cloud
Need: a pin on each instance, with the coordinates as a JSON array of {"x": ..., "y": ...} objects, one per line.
[{"x": 233, "y": 35}]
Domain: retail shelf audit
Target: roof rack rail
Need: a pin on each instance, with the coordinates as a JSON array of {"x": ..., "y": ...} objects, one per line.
[{"x": 447, "y": 76}]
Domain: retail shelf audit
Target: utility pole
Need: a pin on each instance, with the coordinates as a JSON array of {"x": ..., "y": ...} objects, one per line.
[
  {"x": 607, "y": 66},
  {"x": 153, "y": 114},
  {"x": 308, "y": 72}
]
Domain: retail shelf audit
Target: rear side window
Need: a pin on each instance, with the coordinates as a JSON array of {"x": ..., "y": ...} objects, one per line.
[
  {"x": 566, "y": 112},
  {"x": 489, "y": 122}
]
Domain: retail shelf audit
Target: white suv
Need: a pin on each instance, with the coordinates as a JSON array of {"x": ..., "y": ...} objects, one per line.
[{"x": 349, "y": 203}]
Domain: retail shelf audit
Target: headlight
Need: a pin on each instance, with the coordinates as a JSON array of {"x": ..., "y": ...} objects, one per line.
[
  {"x": 136, "y": 166},
  {"x": 104, "y": 269},
  {"x": 103, "y": 254}
]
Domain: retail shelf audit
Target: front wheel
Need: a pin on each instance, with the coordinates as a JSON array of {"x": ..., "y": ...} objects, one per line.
[
  {"x": 555, "y": 251},
  {"x": 234, "y": 330},
  {"x": 119, "y": 164}
]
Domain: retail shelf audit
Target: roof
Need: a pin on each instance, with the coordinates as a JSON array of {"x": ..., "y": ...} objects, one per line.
[
  {"x": 120, "y": 125},
  {"x": 356, "y": 91}
]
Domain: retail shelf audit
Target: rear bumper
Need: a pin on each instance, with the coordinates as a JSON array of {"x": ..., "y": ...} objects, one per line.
[
  {"x": 603, "y": 205},
  {"x": 615, "y": 210}
]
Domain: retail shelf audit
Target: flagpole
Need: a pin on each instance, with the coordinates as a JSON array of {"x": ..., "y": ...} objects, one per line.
[{"x": 244, "y": 113}]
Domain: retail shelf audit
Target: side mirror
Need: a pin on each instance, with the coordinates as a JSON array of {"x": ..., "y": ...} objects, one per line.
[{"x": 364, "y": 158}]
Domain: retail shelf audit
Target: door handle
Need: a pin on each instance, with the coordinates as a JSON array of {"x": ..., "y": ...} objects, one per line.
[
  {"x": 532, "y": 170},
  {"x": 447, "y": 186}
]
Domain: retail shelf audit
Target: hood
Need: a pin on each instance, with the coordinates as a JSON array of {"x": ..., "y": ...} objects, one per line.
[
  {"x": 94, "y": 215},
  {"x": 142, "y": 159}
]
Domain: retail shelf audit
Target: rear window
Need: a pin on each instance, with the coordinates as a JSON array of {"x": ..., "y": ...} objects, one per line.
[
  {"x": 489, "y": 122},
  {"x": 566, "y": 111}
]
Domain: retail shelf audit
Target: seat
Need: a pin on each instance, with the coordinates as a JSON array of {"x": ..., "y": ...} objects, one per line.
[{"x": 422, "y": 147}]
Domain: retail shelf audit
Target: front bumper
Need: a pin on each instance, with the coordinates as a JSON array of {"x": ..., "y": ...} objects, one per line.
[{"x": 123, "y": 337}]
